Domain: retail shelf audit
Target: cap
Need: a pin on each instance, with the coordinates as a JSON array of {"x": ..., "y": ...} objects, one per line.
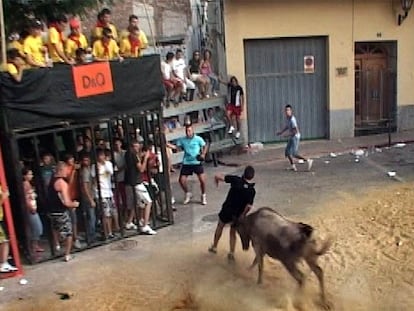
[
  {"x": 74, "y": 23},
  {"x": 35, "y": 23}
]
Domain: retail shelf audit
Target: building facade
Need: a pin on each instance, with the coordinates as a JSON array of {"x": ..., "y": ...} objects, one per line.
[{"x": 345, "y": 66}]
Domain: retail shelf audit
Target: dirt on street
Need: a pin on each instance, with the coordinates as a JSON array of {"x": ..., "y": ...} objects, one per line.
[{"x": 370, "y": 266}]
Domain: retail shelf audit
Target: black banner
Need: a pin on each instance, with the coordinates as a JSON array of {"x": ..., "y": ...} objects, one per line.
[{"x": 47, "y": 96}]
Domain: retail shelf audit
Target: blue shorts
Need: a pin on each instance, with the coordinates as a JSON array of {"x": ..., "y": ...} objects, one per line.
[{"x": 292, "y": 146}]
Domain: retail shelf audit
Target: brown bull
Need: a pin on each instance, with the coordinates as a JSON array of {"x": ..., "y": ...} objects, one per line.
[{"x": 284, "y": 240}]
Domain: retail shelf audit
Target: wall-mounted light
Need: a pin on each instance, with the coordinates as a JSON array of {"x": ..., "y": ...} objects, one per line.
[{"x": 406, "y": 7}]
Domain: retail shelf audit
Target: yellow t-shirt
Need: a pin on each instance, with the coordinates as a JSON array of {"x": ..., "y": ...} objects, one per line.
[
  {"x": 16, "y": 45},
  {"x": 97, "y": 32},
  {"x": 33, "y": 46},
  {"x": 125, "y": 49},
  {"x": 71, "y": 46},
  {"x": 98, "y": 50},
  {"x": 54, "y": 38},
  {"x": 143, "y": 41},
  {"x": 12, "y": 69}
]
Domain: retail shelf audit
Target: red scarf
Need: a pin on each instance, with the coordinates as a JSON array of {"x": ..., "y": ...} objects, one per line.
[
  {"x": 100, "y": 24},
  {"x": 106, "y": 47},
  {"x": 134, "y": 44},
  {"x": 76, "y": 39},
  {"x": 54, "y": 25}
]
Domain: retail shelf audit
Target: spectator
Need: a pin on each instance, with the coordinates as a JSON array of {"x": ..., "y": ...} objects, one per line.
[
  {"x": 234, "y": 107},
  {"x": 56, "y": 41},
  {"x": 73, "y": 185},
  {"x": 81, "y": 57},
  {"x": 16, "y": 42},
  {"x": 195, "y": 75},
  {"x": 194, "y": 154},
  {"x": 119, "y": 160},
  {"x": 87, "y": 147},
  {"x": 15, "y": 64},
  {"x": 36, "y": 227},
  {"x": 137, "y": 194},
  {"x": 181, "y": 73},
  {"x": 33, "y": 46},
  {"x": 47, "y": 169},
  {"x": 131, "y": 45},
  {"x": 87, "y": 201},
  {"x": 207, "y": 71},
  {"x": 76, "y": 40},
  {"x": 4, "y": 243},
  {"x": 132, "y": 23},
  {"x": 59, "y": 204},
  {"x": 106, "y": 47},
  {"x": 103, "y": 192},
  {"x": 173, "y": 85},
  {"x": 104, "y": 21}
]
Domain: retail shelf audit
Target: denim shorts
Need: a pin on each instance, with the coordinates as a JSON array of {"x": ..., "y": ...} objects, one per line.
[{"x": 292, "y": 146}]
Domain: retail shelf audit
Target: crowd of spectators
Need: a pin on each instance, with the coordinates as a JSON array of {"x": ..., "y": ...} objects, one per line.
[
  {"x": 93, "y": 193},
  {"x": 62, "y": 42}
]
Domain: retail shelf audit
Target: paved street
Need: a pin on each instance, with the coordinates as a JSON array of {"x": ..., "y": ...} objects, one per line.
[{"x": 295, "y": 194}]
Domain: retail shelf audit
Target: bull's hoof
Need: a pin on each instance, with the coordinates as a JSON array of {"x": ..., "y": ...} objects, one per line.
[{"x": 325, "y": 305}]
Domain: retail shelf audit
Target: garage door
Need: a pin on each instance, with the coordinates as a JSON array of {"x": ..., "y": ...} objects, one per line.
[{"x": 276, "y": 75}]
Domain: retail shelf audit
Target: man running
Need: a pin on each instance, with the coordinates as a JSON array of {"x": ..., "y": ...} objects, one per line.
[{"x": 292, "y": 146}]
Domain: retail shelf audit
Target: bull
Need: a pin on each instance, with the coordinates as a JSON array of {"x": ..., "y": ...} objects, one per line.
[{"x": 287, "y": 241}]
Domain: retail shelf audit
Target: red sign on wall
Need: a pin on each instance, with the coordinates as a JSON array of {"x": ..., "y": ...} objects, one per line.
[{"x": 92, "y": 79}]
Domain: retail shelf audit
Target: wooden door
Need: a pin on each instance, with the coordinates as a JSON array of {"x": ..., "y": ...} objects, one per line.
[{"x": 371, "y": 81}]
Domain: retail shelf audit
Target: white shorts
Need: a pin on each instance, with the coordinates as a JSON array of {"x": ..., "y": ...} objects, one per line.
[
  {"x": 142, "y": 196},
  {"x": 195, "y": 76}
]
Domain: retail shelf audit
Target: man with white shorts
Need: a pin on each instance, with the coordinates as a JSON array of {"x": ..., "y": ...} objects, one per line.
[{"x": 137, "y": 194}]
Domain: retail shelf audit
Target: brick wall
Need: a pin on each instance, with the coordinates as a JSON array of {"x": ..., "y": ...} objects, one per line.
[{"x": 167, "y": 17}]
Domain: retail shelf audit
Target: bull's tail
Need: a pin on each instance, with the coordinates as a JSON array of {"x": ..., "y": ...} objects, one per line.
[{"x": 324, "y": 247}]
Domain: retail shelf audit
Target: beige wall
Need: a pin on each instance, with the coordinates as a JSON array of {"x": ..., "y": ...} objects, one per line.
[{"x": 342, "y": 21}]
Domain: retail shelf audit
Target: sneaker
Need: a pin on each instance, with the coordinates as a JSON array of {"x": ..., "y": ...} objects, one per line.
[
  {"x": 237, "y": 135},
  {"x": 131, "y": 226},
  {"x": 310, "y": 162},
  {"x": 188, "y": 197},
  {"x": 172, "y": 200},
  {"x": 6, "y": 267},
  {"x": 148, "y": 230},
  {"x": 68, "y": 258},
  {"x": 77, "y": 244},
  {"x": 215, "y": 94},
  {"x": 230, "y": 257},
  {"x": 212, "y": 249},
  {"x": 207, "y": 96},
  {"x": 57, "y": 247},
  {"x": 111, "y": 235},
  {"x": 231, "y": 130},
  {"x": 293, "y": 168},
  {"x": 204, "y": 199}
]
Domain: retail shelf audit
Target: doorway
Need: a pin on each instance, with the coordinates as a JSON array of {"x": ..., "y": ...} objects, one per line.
[{"x": 375, "y": 91}]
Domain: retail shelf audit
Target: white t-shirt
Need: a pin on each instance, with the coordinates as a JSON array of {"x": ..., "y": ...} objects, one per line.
[
  {"x": 166, "y": 70},
  {"x": 178, "y": 67},
  {"x": 105, "y": 171}
]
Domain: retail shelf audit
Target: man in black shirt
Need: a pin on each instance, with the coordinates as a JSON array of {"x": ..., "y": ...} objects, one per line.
[
  {"x": 238, "y": 203},
  {"x": 136, "y": 162}
]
